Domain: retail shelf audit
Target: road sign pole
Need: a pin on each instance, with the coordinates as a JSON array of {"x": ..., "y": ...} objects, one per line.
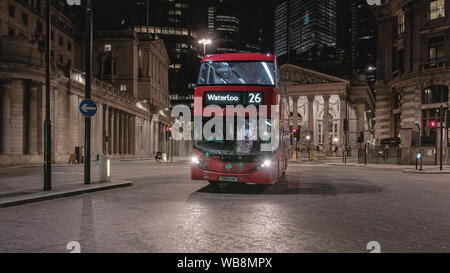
[
  {"x": 87, "y": 140},
  {"x": 47, "y": 123}
]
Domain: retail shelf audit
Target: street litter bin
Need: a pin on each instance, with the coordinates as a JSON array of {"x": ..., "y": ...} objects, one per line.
[{"x": 104, "y": 169}]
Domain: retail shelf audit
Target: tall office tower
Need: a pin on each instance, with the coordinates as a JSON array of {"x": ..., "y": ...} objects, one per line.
[
  {"x": 356, "y": 36},
  {"x": 223, "y": 26},
  {"x": 305, "y": 29},
  {"x": 172, "y": 21},
  {"x": 211, "y": 19}
]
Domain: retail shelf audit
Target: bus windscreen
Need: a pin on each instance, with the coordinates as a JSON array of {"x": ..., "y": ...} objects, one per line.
[{"x": 237, "y": 73}]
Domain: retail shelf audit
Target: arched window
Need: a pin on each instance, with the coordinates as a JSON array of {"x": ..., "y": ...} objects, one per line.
[{"x": 435, "y": 94}]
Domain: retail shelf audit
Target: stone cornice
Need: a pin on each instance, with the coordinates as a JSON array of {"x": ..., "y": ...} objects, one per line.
[
  {"x": 408, "y": 79},
  {"x": 317, "y": 89}
]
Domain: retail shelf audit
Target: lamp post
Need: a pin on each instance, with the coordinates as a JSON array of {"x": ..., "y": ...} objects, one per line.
[
  {"x": 441, "y": 132},
  {"x": 308, "y": 138},
  {"x": 205, "y": 42},
  {"x": 48, "y": 123},
  {"x": 89, "y": 38},
  {"x": 87, "y": 137}
]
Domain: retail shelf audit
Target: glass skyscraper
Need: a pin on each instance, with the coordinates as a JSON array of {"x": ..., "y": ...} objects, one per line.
[{"x": 305, "y": 28}]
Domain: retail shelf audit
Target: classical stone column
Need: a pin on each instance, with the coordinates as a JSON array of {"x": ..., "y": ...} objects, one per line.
[
  {"x": 152, "y": 136},
  {"x": 311, "y": 118},
  {"x": 126, "y": 132},
  {"x": 343, "y": 116},
  {"x": 6, "y": 118},
  {"x": 111, "y": 131},
  {"x": 40, "y": 119},
  {"x": 18, "y": 118},
  {"x": 116, "y": 131},
  {"x": 295, "y": 112},
  {"x": 121, "y": 134},
  {"x": 32, "y": 121},
  {"x": 132, "y": 135},
  {"x": 326, "y": 123},
  {"x": 105, "y": 129},
  {"x": 157, "y": 136}
]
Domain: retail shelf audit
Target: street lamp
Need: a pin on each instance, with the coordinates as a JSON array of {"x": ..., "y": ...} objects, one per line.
[
  {"x": 88, "y": 87},
  {"x": 205, "y": 42},
  {"x": 47, "y": 123},
  {"x": 308, "y": 138}
]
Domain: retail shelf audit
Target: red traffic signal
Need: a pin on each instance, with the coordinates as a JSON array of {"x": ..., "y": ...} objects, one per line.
[
  {"x": 169, "y": 129},
  {"x": 433, "y": 124},
  {"x": 294, "y": 131}
]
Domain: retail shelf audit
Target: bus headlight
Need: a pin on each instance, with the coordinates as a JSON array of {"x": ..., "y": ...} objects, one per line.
[
  {"x": 195, "y": 160},
  {"x": 266, "y": 163}
]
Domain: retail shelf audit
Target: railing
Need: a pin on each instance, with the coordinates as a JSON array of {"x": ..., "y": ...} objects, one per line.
[
  {"x": 434, "y": 65},
  {"x": 100, "y": 86}
]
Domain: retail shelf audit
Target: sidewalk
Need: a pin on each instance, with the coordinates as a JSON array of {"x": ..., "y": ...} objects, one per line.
[
  {"x": 24, "y": 184},
  {"x": 9, "y": 199},
  {"x": 427, "y": 169},
  {"x": 176, "y": 159},
  {"x": 21, "y": 183}
]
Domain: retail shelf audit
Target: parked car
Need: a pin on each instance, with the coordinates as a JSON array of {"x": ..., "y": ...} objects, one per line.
[
  {"x": 158, "y": 156},
  {"x": 391, "y": 142}
]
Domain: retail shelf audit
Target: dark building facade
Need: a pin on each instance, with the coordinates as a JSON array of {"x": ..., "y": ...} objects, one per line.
[
  {"x": 305, "y": 30},
  {"x": 413, "y": 70},
  {"x": 173, "y": 22},
  {"x": 356, "y": 36},
  {"x": 130, "y": 121},
  {"x": 223, "y": 27}
]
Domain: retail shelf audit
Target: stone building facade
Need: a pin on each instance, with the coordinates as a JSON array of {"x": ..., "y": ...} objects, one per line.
[
  {"x": 413, "y": 75},
  {"x": 313, "y": 94},
  {"x": 130, "y": 88}
]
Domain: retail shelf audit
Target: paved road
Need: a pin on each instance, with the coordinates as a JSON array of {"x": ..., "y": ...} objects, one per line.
[{"x": 315, "y": 208}]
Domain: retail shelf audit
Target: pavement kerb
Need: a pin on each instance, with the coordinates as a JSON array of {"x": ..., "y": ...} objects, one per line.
[{"x": 62, "y": 193}]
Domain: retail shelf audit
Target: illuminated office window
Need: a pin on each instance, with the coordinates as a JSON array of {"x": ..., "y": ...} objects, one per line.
[{"x": 437, "y": 9}]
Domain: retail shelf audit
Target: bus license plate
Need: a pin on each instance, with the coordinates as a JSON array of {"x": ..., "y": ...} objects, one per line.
[{"x": 228, "y": 179}]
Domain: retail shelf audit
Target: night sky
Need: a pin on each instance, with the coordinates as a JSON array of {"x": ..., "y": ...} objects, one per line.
[{"x": 256, "y": 15}]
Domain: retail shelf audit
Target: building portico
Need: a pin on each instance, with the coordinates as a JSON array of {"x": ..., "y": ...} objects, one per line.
[{"x": 318, "y": 104}]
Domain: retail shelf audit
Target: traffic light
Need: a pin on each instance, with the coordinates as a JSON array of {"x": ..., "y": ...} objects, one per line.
[
  {"x": 433, "y": 124},
  {"x": 170, "y": 132},
  {"x": 346, "y": 125},
  {"x": 294, "y": 134}
]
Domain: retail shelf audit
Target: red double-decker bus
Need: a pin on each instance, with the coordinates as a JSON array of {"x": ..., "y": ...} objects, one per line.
[{"x": 241, "y": 79}]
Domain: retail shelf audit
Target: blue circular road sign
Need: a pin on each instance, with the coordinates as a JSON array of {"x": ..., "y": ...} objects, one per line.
[{"x": 88, "y": 108}]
